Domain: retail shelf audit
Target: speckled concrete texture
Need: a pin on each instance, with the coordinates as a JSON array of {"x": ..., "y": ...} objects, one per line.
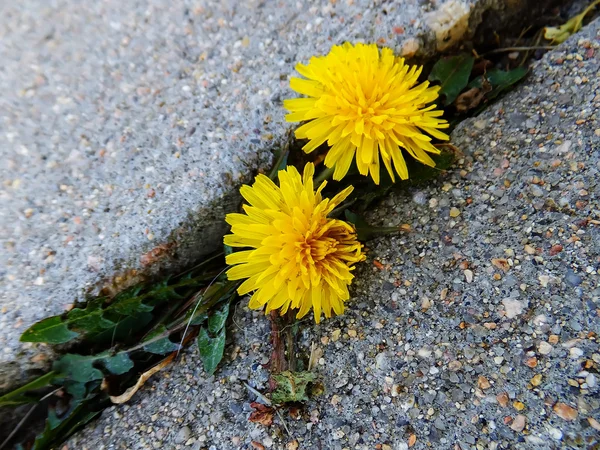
[
  {"x": 476, "y": 330},
  {"x": 126, "y": 127}
]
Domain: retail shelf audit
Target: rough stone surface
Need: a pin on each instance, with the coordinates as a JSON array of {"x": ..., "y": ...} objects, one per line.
[
  {"x": 422, "y": 357},
  {"x": 125, "y": 128}
]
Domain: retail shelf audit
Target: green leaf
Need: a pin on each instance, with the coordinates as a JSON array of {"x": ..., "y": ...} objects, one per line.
[
  {"x": 129, "y": 306},
  {"x": 291, "y": 386},
  {"x": 453, "y": 74},
  {"x": 118, "y": 364},
  {"x": 58, "y": 429},
  {"x": 77, "y": 368},
  {"x": 123, "y": 329},
  {"x": 162, "y": 346},
  {"x": 211, "y": 349},
  {"x": 199, "y": 318},
  {"x": 101, "y": 320},
  {"x": 500, "y": 80},
  {"x": 165, "y": 291},
  {"x": 51, "y": 330},
  {"x": 19, "y": 396},
  {"x": 89, "y": 319},
  {"x": 217, "y": 319},
  {"x": 217, "y": 292},
  {"x": 81, "y": 368},
  {"x": 364, "y": 231},
  {"x": 77, "y": 389}
]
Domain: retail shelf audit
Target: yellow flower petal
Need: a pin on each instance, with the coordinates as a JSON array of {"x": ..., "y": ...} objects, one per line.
[
  {"x": 301, "y": 259},
  {"x": 368, "y": 95}
]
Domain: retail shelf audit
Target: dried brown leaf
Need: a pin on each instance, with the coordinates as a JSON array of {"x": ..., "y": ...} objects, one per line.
[
  {"x": 262, "y": 414},
  {"x": 125, "y": 396},
  {"x": 469, "y": 100}
]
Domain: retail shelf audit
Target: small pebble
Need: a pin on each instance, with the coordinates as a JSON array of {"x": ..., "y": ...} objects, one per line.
[
  {"x": 512, "y": 308},
  {"x": 502, "y": 399},
  {"x": 565, "y": 411},
  {"x": 594, "y": 423},
  {"x": 536, "y": 380},
  {"x": 555, "y": 433},
  {"x": 519, "y": 423},
  {"x": 483, "y": 383},
  {"x": 519, "y": 406},
  {"x": 575, "y": 353},
  {"x": 544, "y": 348},
  {"x": 183, "y": 435},
  {"x": 469, "y": 275}
]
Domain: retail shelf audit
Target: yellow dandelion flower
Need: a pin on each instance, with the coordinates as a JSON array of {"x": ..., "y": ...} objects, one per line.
[
  {"x": 365, "y": 102},
  {"x": 299, "y": 258}
]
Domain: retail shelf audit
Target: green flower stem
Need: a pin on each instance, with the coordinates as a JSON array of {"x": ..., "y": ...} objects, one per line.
[{"x": 325, "y": 174}]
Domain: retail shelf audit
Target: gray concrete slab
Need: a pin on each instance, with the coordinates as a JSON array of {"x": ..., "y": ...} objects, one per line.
[
  {"x": 126, "y": 128},
  {"x": 478, "y": 329}
]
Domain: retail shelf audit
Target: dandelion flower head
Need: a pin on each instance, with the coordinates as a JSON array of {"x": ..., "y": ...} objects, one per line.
[
  {"x": 296, "y": 256},
  {"x": 365, "y": 103}
]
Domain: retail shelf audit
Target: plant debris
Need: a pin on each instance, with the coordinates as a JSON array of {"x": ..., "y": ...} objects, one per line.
[
  {"x": 262, "y": 414},
  {"x": 291, "y": 386},
  {"x": 560, "y": 34},
  {"x": 116, "y": 345},
  {"x": 126, "y": 396}
]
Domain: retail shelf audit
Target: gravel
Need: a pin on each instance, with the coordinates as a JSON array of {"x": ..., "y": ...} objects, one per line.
[
  {"x": 426, "y": 356},
  {"x": 126, "y": 129}
]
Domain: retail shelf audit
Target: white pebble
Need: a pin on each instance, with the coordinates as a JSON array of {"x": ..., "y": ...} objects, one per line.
[
  {"x": 540, "y": 320},
  {"x": 591, "y": 380},
  {"x": 469, "y": 276},
  {"x": 555, "y": 433},
  {"x": 576, "y": 353},
  {"x": 544, "y": 348},
  {"x": 512, "y": 307},
  {"x": 419, "y": 198},
  {"x": 338, "y": 434},
  {"x": 424, "y": 352}
]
